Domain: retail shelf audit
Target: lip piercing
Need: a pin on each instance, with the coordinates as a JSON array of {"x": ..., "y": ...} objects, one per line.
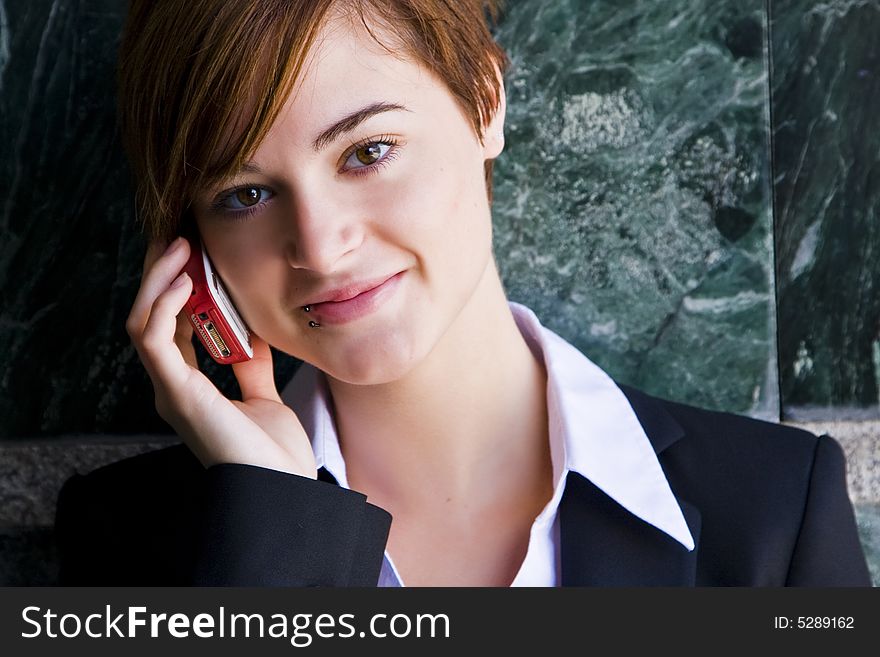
[{"x": 312, "y": 324}]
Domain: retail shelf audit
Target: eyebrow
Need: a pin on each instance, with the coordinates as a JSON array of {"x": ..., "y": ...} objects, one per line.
[
  {"x": 346, "y": 124},
  {"x": 352, "y": 121}
]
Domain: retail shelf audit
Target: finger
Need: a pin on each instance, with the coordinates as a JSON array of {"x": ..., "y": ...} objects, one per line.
[
  {"x": 154, "y": 250},
  {"x": 156, "y": 279},
  {"x": 256, "y": 377},
  {"x": 159, "y": 352}
]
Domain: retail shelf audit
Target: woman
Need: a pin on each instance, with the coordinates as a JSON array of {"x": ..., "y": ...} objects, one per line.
[{"x": 335, "y": 157}]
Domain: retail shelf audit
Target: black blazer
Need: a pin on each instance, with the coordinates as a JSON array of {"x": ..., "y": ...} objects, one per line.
[{"x": 767, "y": 505}]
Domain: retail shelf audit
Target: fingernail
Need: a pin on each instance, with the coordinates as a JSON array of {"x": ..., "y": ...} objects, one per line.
[
  {"x": 180, "y": 280},
  {"x": 174, "y": 246}
]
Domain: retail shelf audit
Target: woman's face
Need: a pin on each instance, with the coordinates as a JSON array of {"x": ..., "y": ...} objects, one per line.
[{"x": 399, "y": 196}]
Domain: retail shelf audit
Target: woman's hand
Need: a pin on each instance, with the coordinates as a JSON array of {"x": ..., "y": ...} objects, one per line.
[{"x": 260, "y": 429}]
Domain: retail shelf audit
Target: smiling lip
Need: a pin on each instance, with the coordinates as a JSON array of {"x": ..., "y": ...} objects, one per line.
[{"x": 349, "y": 303}]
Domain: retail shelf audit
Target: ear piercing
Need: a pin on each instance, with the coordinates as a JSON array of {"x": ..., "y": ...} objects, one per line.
[{"x": 312, "y": 324}]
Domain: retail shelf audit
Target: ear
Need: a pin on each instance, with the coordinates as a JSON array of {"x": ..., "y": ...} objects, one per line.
[{"x": 493, "y": 135}]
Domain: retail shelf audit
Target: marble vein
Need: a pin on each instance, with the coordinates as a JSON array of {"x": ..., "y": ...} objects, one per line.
[
  {"x": 4, "y": 41},
  {"x": 43, "y": 55}
]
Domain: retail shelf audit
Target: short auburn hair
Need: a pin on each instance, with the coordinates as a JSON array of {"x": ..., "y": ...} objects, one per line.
[{"x": 201, "y": 82}]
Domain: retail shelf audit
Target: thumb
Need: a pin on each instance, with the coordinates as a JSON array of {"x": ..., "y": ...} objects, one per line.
[{"x": 255, "y": 376}]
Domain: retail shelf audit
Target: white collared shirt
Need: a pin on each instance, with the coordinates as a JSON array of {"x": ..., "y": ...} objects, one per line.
[{"x": 593, "y": 431}]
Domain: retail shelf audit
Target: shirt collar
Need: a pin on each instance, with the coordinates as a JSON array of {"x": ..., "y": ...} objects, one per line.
[
  {"x": 602, "y": 437},
  {"x": 593, "y": 429}
]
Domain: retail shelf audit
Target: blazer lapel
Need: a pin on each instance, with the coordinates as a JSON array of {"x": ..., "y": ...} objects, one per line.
[{"x": 603, "y": 544}]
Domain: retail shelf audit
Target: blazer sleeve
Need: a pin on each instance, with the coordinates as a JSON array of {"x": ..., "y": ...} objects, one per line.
[
  {"x": 163, "y": 520},
  {"x": 827, "y": 550},
  {"x": 267, "y": 528}
]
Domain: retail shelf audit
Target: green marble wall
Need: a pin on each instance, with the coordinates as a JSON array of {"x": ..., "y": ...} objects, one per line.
[
  {"x": 69, "y": 253},
  {"x": 633, "y": 200},
  {"x": 826, "y": 150}
]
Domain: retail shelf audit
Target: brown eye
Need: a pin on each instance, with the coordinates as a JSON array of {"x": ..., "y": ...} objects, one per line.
[
  {"x": 248, "y": 196},
  {"x": 368, "y": 154}
]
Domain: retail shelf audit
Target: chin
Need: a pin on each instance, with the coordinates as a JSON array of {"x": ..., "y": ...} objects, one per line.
[{"x": 369, "y": 361}]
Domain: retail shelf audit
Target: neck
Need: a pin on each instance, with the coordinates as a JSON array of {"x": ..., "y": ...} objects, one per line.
[{"x": 468, "y": 423}]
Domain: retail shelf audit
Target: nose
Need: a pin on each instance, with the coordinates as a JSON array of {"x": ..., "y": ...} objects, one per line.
[{"x": 323, "y": 230}]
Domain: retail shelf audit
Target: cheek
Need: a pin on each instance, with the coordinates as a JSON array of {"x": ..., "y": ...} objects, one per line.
[
  {"x": 254, "y": 275},
  {"x": 427, "y": 202},
  {"x": 453, "y": 198},
  {"x": 232, "y": 245}
]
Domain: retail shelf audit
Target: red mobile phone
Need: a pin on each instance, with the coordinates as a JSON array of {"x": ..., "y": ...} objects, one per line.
[{"x": 211, "y": 313}]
